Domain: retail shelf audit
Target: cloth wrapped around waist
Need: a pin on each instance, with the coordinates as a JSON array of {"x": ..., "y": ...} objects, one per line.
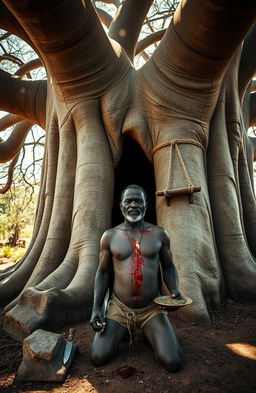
[{"x": 131, "y": 318}]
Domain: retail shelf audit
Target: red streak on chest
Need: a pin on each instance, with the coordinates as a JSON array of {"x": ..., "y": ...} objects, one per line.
[
  {"x": 136, "y": 269},
  {"x": 147, "y": 232}
]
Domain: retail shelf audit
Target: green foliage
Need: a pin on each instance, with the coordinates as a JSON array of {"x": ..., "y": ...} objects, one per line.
[
  {"x": 13, "y": 253},
  {"x": 17, "y": 210},
  {"x": 5, "y": 252},
  {"x": 17, "y": 253},
  {"x": 3, "y": 225}
]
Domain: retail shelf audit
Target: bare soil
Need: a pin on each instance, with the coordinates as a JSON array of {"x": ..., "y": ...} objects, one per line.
[{"x": 220, "y": 359}]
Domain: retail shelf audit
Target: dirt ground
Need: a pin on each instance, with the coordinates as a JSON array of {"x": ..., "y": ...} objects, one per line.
[{"x": 220, "y": 359}]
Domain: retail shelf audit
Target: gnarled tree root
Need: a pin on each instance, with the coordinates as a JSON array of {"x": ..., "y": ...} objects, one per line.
[{"x": 49, "y": 309}]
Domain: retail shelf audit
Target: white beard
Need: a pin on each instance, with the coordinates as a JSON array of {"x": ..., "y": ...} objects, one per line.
[{"x": 135, "y": 219}]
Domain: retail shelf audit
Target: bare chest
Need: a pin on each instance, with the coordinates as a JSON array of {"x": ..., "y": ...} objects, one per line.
[{"x": 123, "y": 245}]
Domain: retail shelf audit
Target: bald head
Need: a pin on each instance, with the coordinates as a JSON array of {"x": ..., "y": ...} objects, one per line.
[{"x": 134, "y": 187}]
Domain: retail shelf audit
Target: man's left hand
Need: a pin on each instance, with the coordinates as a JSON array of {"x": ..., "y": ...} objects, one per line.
[{"x": 176, "y": 294}]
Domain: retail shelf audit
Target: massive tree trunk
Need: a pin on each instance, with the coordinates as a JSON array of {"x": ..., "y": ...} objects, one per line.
[{"x": 183, "y": 108}]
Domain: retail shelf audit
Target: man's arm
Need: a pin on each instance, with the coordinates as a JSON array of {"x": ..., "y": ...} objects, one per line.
[
  {"x": 101, "y": 283},
  {"x": 170, "y": 275}
]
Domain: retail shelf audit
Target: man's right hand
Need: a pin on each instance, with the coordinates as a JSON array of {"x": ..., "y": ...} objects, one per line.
[{"x": 97, "y": 322}]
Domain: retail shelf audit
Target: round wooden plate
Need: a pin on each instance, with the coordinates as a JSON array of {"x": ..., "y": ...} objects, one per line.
[{"x": 168, "y": 302}]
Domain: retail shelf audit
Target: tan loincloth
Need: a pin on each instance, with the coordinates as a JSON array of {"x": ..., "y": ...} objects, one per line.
[{"x": 131, "y": 318}]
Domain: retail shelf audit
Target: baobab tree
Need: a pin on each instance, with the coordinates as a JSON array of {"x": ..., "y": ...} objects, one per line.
[{"x": 176, "y": 126}]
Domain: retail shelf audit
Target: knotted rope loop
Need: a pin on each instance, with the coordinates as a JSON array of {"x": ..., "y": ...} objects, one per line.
[
  {"x": 176, "y": 141},
  {"x": 190, "y": 189}
]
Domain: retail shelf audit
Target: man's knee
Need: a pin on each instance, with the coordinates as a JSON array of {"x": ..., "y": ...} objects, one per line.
[
  {"x": 98, "y": 358},
  {"x": 170, "y": 363}
]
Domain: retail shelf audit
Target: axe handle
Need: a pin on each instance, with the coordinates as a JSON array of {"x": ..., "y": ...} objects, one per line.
[{"x": 71, "y": 334}]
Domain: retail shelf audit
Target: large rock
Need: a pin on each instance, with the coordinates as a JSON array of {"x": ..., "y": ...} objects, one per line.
[{"x": 43, "y": 357}]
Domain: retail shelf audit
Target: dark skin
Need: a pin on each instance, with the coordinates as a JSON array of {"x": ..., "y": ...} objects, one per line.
[{"x": 116, "y": 252}]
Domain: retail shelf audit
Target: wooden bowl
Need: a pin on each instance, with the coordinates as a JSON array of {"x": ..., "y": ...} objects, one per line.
[{"x": 170, "y": 304}]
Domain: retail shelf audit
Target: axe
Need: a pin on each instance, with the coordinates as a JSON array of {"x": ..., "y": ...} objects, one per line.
[{"x": 68, "y": 346}]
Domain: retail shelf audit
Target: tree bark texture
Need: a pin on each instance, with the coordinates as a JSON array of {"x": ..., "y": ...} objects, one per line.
[{"x": 183, "y": 108}]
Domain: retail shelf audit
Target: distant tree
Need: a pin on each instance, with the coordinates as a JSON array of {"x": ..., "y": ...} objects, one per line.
[{"x": 17, "y": 210}]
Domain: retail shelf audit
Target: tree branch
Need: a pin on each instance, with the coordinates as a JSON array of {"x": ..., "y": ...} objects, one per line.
[
  {"x": 115, "y": 2},
  {"x": 205, "y": 34},
  {"x": 247, "y": 66},
  {"x": 11, "y": 58},
  {"x": 105, "y": 18},
  {"x": 253, "y": 143},
  {"x": 9, "y": 23},
  {"x": 101, "y": 64},
  {"x": 23, "y": 97},
  {"x": 31, "y": 65},
  {"x": 10, "y": 148},
  {"x": 8, "y": 121},
  {"x": 222, "y": 26},
  {"x": 11, "y": 168},
  {"x": 4, "y": 36},
  {"x": 252, "y": 120},
  {"x": 149, "y": 40},
  {"x": 126, "y": 26},
  {"x": 253, "y": 90},
  {"x": 35, "y": 144}
]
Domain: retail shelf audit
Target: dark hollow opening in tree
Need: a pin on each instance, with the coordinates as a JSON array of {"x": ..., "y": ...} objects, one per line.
[{"x": 134, "y": 168}]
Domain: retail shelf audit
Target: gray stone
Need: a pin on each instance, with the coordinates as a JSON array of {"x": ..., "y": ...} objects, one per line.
[{"x": 43, "y": 357}]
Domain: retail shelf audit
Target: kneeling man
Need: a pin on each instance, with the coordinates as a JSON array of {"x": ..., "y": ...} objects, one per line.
[{"x": 131, "y": 252}]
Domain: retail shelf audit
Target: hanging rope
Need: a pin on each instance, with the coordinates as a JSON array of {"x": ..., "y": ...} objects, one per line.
[{"x": 191, "y": 188}]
